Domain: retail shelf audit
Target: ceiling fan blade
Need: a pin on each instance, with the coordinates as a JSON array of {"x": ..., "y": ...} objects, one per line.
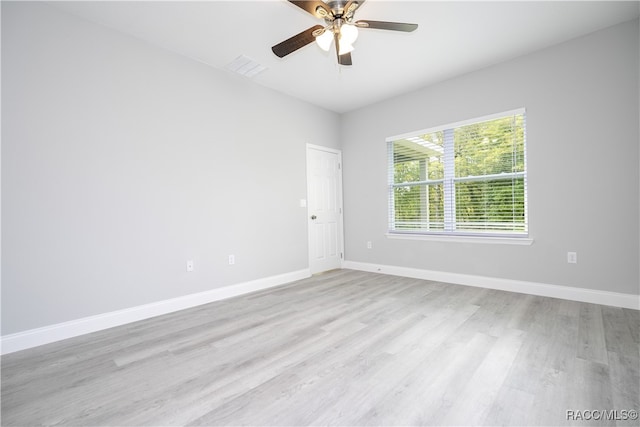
[
  {"x": 296, "y": 42},
  {"x": 316, "y": 8},
  {"x": 345, "y": 59},
  {"x": 383, "y": 25},
  {"x": 351, "y": 7}
]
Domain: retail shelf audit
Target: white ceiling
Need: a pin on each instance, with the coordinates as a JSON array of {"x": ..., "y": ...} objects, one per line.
[{"x": 453, "y": 38}]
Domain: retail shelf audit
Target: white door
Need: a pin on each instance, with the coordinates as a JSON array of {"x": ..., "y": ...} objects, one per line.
[{"x": 324, "y": 194}]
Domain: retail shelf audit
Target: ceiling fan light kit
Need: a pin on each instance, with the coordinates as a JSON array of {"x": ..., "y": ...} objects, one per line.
[
  {"x": 339, "y": 28},
  {"x": 324, "y": 40}
]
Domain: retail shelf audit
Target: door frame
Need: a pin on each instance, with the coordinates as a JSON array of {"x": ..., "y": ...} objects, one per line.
[{"x": 340, "y": 202}]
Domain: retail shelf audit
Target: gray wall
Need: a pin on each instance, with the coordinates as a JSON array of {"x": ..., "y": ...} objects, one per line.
[
  {"x": 582, "y": 134},
  {"x": 120, "y": 161}
]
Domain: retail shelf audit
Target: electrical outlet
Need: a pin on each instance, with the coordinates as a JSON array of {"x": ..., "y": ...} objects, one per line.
[
  {"x": 232, "y": 259},
  {"x": 189, "y": 266},
  {"x": 369, "y": 245},
  {"x": 572, "y": 257}
]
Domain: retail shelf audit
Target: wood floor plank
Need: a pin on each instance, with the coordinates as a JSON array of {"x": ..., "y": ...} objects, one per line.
[
  {"x": 618, "y": 333},
  {"x": 591, "y": 389},
  {"x": 552, "y": 398},
  {"x": 409, "y": 369},
  {"x": 473, "y": 404},
  {"x": 632, "y": 318},
  {"x": 624, "y": 372},
  {"x": 511, "y": 407},
  {"x": 340, "y": 348},
  {"x": 591, "y": 339},
  {"x": 429, "y": 386}
]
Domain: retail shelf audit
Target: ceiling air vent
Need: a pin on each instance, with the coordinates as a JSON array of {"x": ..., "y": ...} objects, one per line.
[{"x": 245, "y": 66}]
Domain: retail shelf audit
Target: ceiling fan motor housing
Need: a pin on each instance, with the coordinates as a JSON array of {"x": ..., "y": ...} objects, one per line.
[{"x": 338, "y": 10}]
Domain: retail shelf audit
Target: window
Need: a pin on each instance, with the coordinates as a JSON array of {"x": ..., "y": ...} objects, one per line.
[{"x": 466, "y": 178}]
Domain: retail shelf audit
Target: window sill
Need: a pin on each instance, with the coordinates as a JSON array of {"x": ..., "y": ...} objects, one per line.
[{"x": 526, "y": 241}]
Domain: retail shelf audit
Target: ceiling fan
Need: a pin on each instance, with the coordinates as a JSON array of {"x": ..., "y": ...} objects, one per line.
[{"x": 339, "y": 27}]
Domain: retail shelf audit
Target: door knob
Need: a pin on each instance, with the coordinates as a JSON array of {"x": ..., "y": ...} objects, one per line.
[{"x": 313, "y": 217}]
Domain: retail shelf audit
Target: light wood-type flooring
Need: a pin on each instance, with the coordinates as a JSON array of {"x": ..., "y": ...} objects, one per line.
[{"x": 341, "y": 348}]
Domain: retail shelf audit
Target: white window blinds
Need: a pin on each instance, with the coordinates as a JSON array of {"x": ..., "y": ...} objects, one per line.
[{"x": 465, "y": 179}]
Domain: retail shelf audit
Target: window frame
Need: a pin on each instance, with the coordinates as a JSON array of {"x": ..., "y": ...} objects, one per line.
[{"x": 449, "y": 233}]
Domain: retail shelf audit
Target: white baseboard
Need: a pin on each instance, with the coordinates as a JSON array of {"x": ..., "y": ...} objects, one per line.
[
  {"x": 542, "y": 289},
  {"x": 48, "y": 334}
]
